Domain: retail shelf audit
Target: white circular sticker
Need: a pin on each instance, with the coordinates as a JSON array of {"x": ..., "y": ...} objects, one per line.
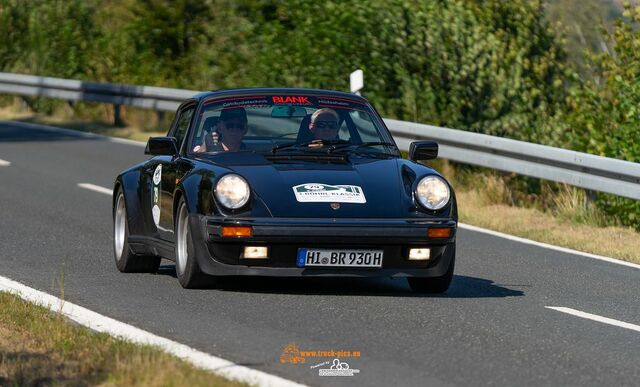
[
  {"x": 156, "y": 214},
  {"x": 157, "y": 175}
]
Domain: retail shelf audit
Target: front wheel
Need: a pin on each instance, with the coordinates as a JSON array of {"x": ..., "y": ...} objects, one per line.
[
  {"x": 435, "y": 285},
  {"x": 187, "y": 270},
  {"x": 126, "y": 260}
]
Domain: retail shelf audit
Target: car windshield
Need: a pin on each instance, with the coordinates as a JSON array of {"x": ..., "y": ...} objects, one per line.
[{"x": 290, "y": 124}]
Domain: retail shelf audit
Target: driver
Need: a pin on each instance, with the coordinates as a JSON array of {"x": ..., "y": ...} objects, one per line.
[
  {"x": 324, "y": 124},
  {"x": 227, "y": 133}
]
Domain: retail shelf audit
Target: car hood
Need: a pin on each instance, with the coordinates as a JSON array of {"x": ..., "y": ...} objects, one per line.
[{"x": 366, "y": 189}]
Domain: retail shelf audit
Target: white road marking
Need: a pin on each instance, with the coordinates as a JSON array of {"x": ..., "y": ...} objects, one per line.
[
  {"x": 595, "y": 317},
  {"x": 127, "y": 141},
  {"x": 4, "y": 163},
  {"x": 115, "y": 328},
  {"x": 96, "y": 188},
  {"x": 547, "y": 246}
]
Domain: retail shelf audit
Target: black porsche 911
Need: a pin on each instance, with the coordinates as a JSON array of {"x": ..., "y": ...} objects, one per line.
[{"x": 285, "y": 182}]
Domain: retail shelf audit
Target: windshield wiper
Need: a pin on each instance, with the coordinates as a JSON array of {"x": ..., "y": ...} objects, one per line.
[
  {"x": 358, "y": 146},
  {"x": 306, "y": 145}
]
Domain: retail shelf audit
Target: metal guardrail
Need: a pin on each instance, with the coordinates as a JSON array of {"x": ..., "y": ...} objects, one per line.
[
  {"x": 578, "y": 169},
  {"x": 145, "y": 97},
  {"x": 583, "y": 170}
]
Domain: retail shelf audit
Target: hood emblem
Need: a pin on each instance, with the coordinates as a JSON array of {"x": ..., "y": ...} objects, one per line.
[{"x": 335, "y": 206}]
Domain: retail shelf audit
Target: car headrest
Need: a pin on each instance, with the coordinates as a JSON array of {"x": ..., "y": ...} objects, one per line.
[{"x": 304, "y": 134}]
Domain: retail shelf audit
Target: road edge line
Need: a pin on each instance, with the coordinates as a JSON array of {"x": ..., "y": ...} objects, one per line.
[
  {"x": 547, "y": 245},
  {"x": 595, "y": 317},
  {"x": 104, "y": 324}
]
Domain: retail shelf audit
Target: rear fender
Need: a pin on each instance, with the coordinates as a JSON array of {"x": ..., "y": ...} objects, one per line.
[{"x": 129, "y": 182}]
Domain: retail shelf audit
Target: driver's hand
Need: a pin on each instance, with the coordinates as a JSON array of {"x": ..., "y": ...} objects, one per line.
[
  {"x": 215, "y": 137},
  {"x": 210, "y": 141},
  {"x": 317, "y": 143}
]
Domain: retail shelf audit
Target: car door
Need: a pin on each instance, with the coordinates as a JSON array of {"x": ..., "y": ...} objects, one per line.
[{"x": 161, "y": 174}]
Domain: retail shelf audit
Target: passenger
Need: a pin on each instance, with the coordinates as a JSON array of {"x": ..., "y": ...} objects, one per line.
[
  {"x": 227, "y": 133},
  {"x": 324, "y": 124}
]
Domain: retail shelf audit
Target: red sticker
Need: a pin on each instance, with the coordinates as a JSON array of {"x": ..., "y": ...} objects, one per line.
[{"x": 291, "y": 99}]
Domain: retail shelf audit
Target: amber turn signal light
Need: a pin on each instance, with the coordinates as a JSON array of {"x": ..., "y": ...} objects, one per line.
[
  {"x": 237, "y": 231},
  {"x": 440, "y": 232}
]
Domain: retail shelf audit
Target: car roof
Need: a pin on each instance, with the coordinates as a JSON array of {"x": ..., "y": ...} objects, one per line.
[{"x": 275, "y": 90}]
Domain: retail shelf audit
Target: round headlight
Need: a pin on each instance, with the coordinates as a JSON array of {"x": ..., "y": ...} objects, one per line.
[
  {"x": 433, "y": 192},
  {"x": 232, "y": 191}
]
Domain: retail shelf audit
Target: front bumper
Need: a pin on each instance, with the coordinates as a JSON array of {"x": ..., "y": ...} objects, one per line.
[{"x": 218, "y": 255}]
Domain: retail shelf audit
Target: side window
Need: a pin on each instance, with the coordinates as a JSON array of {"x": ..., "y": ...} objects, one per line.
[
  {"x": 182, "y": 125},
  {"x": 366, "y": 128}
]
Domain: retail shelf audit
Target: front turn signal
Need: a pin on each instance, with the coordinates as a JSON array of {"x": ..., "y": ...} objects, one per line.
[
  {"x": 237, "y": 231},
  {"x": 444, "y": 232}
]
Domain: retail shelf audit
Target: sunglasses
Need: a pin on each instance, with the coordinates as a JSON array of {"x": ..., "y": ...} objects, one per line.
[
  {"x": 235, "y": 124},
  {"x": 326, "y": 124}
]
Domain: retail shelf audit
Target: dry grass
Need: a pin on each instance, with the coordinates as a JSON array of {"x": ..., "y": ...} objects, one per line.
[
  {"x": 534, "y": 224},
  {"x": 38, "y": 347},
  {"x": 573, "y": 205},
  {"x": 564, "y": 217}
]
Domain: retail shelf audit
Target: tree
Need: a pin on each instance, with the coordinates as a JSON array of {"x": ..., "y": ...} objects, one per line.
[
  {"x": 489, "y": 66},
  {"x": 604, "y": 115}
]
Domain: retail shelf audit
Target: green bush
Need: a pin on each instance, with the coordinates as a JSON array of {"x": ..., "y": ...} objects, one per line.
[
  {"x": 487, "y": 66},
  {"x": 603, "y": 113}
]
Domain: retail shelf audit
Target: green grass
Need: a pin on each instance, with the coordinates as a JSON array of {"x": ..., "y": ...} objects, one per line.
[{"x": 38, "y": 347}]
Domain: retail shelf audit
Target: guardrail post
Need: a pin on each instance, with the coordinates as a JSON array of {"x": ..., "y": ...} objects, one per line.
[
  {"x": 24, "y": 105},
  {"x": 117, "y": 117},
  {"x": 160, "y": 115}
]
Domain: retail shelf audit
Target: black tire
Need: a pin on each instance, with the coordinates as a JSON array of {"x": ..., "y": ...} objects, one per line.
[
  {"x": 126, "y": 260},
  {"x": 187, "y": 270},
  {"x": 434, "y": 285}
]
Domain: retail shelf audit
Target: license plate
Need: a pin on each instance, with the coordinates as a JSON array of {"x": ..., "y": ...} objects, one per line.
[{"x": 339, "y": 258}]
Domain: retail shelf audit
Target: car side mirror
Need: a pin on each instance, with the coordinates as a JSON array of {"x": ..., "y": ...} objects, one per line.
[
  {"x": 423, "y": 150},
  {"x": 162, "y": 146}
]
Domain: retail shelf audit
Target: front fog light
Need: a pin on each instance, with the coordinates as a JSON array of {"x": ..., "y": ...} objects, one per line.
[
  {"x": 255, "y": 252},
  {"x": 419, "y": 254}
]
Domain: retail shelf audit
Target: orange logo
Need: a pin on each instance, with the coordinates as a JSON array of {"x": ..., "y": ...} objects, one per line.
[{"x": 291, "y": 354}]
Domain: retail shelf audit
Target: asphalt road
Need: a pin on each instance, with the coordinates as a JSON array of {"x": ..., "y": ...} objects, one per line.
[{"x": 492, "y": 327}]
